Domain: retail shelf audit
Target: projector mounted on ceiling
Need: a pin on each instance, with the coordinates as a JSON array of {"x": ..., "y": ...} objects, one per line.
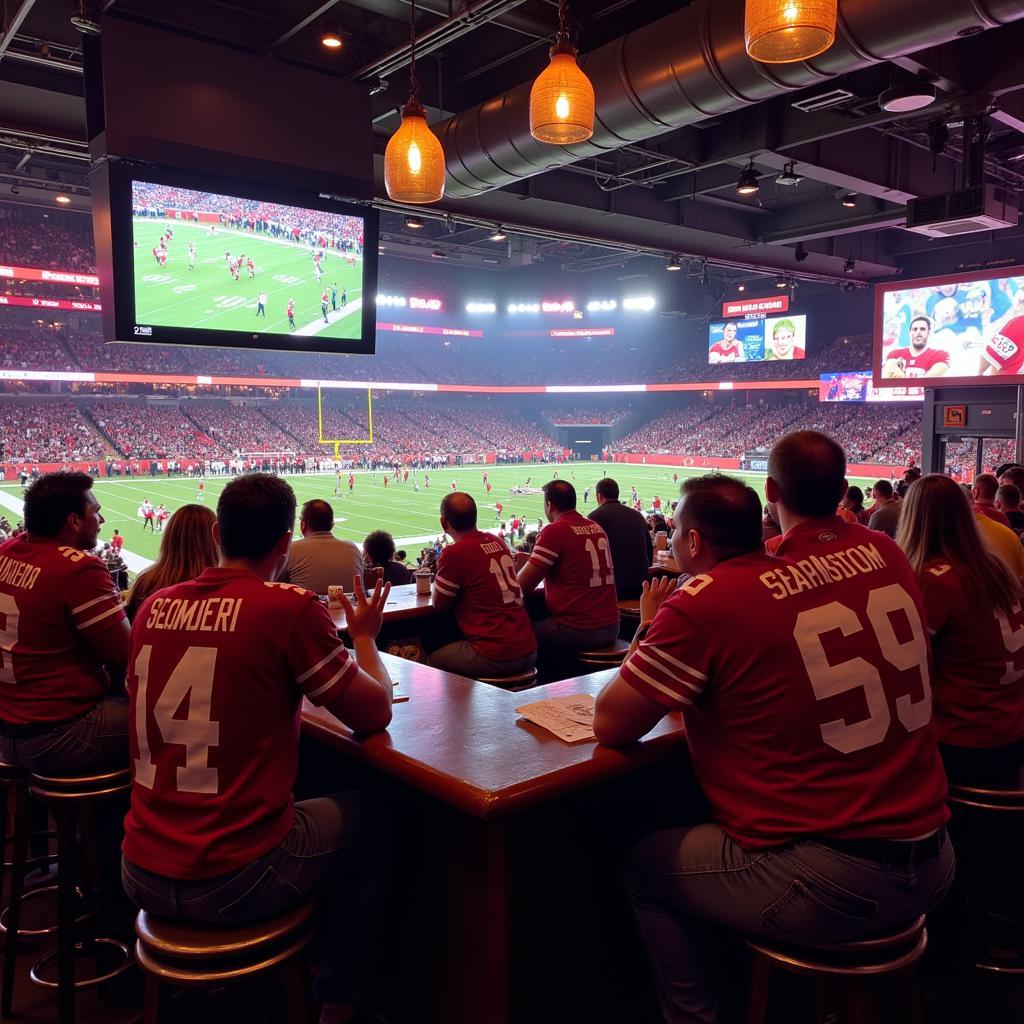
[{"x": 963, "y": 212}]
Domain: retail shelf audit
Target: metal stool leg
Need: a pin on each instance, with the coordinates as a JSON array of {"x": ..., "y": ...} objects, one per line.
[
  {"x": 18, "y": 862},
  {"x": 65, "y": 912},
  {"x": 153, "y": 992},
  {"x": 760, "y": 976},
  {"x": 293, "y": 976}
]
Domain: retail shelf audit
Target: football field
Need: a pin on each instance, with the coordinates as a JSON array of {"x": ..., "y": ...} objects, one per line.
[
  {"x": 209, "y": 297},
  {"x": 411, "y": 516}
]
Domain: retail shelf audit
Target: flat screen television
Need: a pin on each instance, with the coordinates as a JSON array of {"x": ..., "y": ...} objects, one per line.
[
  {"x": 758, "y": 339},
  {"x": 955, "y": 329},
  {"x": 857, "y": 386},
  {"x": 195, "y": 260}
]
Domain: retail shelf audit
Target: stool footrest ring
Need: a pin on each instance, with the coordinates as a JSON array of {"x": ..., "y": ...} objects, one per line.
[{"x": 84, "y": 949}]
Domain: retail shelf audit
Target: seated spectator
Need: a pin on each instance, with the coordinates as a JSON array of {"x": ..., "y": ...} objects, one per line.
[
  {"x": 64, "y": 625},
  {"x": 476, "y": 580},
  {"x": 973, "y": 603},
  {"x": 1008, "y": 502},
  {"x": 817, "y": 812},
  {"x": 573, "y": 557},
  {"x": 885, "y": 513},
  {"x": 379, "y": 553},
  {"x": 1013, "y": 474},
  {"x": 854, "y": 502},
  {"x": 221, "y": 839},
  {"x": 187, "y": 549},
  {"x": 983, "y": 491},
  {"x": 630, "y": 542},
  {"x": 320, "y": 559}
]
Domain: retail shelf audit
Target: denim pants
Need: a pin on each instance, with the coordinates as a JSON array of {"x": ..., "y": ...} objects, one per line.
[
  {"x": 682, "y": 881},
  {"x": 979, "y": 766},
  {"x": 560, "y": 639},
  {"x": 462, "y": 658},
  {"x": 336, "y": 844}
]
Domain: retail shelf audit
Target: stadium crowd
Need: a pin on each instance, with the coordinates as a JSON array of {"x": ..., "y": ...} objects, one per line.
[
  {"x": 562, "y": 415},
  {"x": 34, "y": 432},
  {"x": 53, "y": 241},
  {"x": 148, "y": 429}
]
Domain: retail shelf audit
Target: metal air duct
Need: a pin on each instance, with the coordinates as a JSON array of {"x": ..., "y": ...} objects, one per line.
[{"x": 688, "y": 66}]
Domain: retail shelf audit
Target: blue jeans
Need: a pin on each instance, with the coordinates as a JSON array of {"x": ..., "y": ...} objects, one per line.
[
  {"x": 553, "y": 636},
  {"x": 681, "y": 881},
  {"x": 335, "y": 843},
  {"x": 462, "y": 658}
]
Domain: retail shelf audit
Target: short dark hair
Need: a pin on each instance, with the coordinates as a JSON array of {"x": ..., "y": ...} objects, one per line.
[
  {"x": 607, "y": 488},
  {"x": 254, "y": 512},
  {"x": 459, "y": 511},
  {"x": 725, "y": 512},
  {"x": 883, "y": 487},
  {"x": 380, "y": 546},
  {"x": 318, "y": 515},
  {"x": 1009, "y": 494},
  {"x": 911, "y": 473},
  {"x": 561, "y": 494},
  {"x": 1014, "y": 475},
  {"x": 923, "y": 319},
  {"x": 855, "y": 494},
  {"x": 986, "y": 485},
  {"x": 809, "y": 469},
  {"x": 51, "y": 499}
]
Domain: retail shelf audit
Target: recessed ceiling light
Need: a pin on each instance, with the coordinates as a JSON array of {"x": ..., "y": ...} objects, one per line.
[
  {"x": 848, "y": 199},
  {"x": 413, "y": 222},
  {"x": 331, "y": 37},
  {"x": 748, "y": 183},
  {"x": 916, "y": 95},
  {"x": 63, "y": 199}
]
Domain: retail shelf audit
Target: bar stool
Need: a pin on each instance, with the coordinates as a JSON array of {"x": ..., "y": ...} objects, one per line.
[
  {"x": 514, "y": 683},
  {"x": 72, "y": 799},
  {"x": 605, "y": 657},
  {"x": 848, "y": 964},
  {"x": 188, "y": 955},
  {"x": 629, "y": 618},
  {"x": 993, "y": 817}
]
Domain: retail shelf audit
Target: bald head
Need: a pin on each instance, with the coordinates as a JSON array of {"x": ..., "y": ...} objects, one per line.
[
  {"x": 458, "y": 512},
  {"x": 809, "y": 471},
  {"x": 317, "y": 516}
]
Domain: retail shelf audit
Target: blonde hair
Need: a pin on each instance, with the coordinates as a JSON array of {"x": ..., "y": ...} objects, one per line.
[
  {"x": 937, "y": 524},
  {"x": 186, "y": 549}
]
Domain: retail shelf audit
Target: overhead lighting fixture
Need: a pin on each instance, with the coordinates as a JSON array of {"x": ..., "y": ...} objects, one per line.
[
  {"x": 741, "y": 288},
  {"x": 908, "y": 96},
  {"x": 800, "y": 252},
  {"x": 786, "y": 31},
  {"x": 788, "y": 176},
  {"x": 438, "y": 255},
  {"x": 63, "y": 199},
  {"x": 849, "y": 266},
  {"x": 674, "y": 263},
  {"x": 499, "y": 234},
  {"x": 414, "y": 159},
  {"x": 848, "y": 199},
  {"x": 639, "y": 303},
  {"x": 748, "y": 183},
  {"x": 562, "y": 97},
  {"x": 415, "y": 223},
  {"x": 781, "y": 282},
  {"x": 330, "y": 37}
]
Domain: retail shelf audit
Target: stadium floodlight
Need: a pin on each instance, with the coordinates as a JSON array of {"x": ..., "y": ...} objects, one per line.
[
  {"x": 639, "y": 303},
  {"x": 414, "y": 223},
  {"x": 63, "y": 200},
  {"x": 741, "y": 288},
  {"x": 601, "y": 305},
  {"x": 499, "y": 234},
  {"x": 566, "y": 306},
  {"x": 391, "y": 300},
  {"x": 524, "y": 307},
  {"x": 481, "y": 307}
]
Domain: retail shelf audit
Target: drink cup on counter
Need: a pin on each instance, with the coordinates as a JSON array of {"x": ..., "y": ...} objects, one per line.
[{"x": 423, "y": 581}]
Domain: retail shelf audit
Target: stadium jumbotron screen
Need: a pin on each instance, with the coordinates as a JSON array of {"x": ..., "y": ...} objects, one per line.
[
  {"x": 958, "y": 329},
  {"x": 759, "y": 339},
  {"x": 237, "y": 267}
]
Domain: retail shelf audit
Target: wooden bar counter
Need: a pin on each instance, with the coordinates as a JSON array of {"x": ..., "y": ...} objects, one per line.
[{"x": 487, "y": 908}]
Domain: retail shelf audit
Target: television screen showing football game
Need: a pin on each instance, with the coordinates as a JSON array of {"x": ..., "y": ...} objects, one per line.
[
  {"x": 959, "y": 329},
  {"x": 857, "y": 386},
  {"x": 759, "y": 339},
  {"x": 223, "y": 269}
]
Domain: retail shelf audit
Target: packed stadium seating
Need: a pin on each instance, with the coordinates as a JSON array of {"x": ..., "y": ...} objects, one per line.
[
  {"x": 137, "y": 430},
  {"x": 47, "y": 432},
  {"x": 55, "y": 241},
  {"x": 581, "y": 414}
]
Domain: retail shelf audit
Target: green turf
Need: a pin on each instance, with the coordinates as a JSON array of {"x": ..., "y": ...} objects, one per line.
[
  {"x": 208, "y": 297},
  {"x": 401, "y": 510}
]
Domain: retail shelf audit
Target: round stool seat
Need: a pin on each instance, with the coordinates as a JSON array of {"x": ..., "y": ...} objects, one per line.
[
  {"x": 613, "y": 654},
  {"x": 883, "y": 953},
  {"x": 187, "y": 953},
  {"x": 80, "y": 787},
  {"x": 630, "y": 609},
  {"x": 519, "y": 681},
  {"x": 11, "y": 773},
  {"x": 1006, "y": 797}
]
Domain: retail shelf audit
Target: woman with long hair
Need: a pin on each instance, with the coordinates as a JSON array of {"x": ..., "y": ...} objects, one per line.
[
  {"x": 974, "y": 605},
  {"x": 187, "y": 548}
]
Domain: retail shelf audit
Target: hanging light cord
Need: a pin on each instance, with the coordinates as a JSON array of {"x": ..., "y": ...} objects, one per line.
[
  {"x": 563, "y": 23},
  {"x": 414, "y": 84}
]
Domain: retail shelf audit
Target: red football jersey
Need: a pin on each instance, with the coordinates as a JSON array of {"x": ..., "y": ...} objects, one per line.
[
  {"x": 978, "y": 665},
  {"x": 718, "y": 353},
  {"x": 579, "y": 581},
  {"x": 217, "y": 671},
  {"x": 52, "y": 598},
  {"x": 818, "y": 719},
  {"x": 478, "y": 571},
  {"x": 1005, "y": 350},
  {"x": 918, "y": 365}
]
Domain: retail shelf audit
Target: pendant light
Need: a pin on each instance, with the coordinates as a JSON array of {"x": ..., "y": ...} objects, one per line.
[
  {"x": 414, "y": 159},
  {"x": 562, "y": 98},
  {"x": 785, "y": 31}
]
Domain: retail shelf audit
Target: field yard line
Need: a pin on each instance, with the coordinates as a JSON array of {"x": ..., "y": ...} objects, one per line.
[
  {"x": 136, "y": 563},
  {"x": 318, "y": 325},
  {"x": 237, "y": 232}
]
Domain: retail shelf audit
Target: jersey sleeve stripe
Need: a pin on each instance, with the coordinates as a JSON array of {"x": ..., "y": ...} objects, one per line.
[
  {"x": 646, "y": 652},
  {"x": 651, "y": 648},
  {"x": 89, "y": 604},
  {"x": 446, "y": 587},
  {"x": 534, "y": 557},
  {"x": 631, "y": 674},
  {"x": 319, "y": 665},
  {"x": 346, "y": 669},
  {"x": 546, "y": 551},
  {"x": 117, "y": 608}
]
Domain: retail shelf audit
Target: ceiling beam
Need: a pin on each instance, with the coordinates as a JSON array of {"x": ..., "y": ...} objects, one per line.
[
  {"x": 318, "y": 12},
  {"x": 11, "y": 29}
]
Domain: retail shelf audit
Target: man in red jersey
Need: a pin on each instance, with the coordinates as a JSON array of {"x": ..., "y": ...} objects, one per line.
[
  {"x": 917, "y": 359},
  {"x": 61, "y": 623},
  {"x": 1003, "y": 353},
  {"x": 729, "y": 349},
  {"x": 476, "y": 580},
  {"x": 573, "y": 557},
  {"x": 983, "y": 497},
  {"x": 213, "y": 833},
  {"x": 812, "y": 739}
]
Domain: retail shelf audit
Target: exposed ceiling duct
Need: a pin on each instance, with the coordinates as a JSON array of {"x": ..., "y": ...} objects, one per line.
[{"x": 689, "y": 66}]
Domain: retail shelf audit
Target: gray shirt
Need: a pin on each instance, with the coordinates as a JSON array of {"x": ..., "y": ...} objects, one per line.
[
  {"x": 885, "y": 517},
  {"x": 320, "y": 560}
]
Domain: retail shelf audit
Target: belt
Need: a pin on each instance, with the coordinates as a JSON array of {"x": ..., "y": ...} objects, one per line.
[
  {"x": 895, "y": 852},
  {"x": 30, "y": 730}
]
